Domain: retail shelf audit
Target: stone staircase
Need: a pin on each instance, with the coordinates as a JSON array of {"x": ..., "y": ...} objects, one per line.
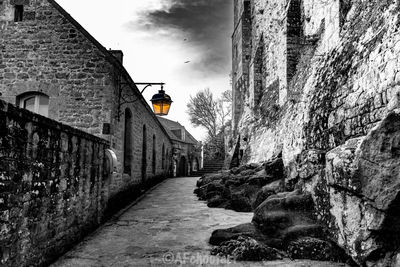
[{"x": 210, "y": 167}]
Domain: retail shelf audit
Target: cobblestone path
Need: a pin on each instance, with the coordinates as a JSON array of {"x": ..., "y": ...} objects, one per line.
[{"x": 168, "y": 227}]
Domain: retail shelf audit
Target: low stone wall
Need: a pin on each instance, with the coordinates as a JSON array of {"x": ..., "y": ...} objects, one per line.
[{"x": 53, "y": 188}]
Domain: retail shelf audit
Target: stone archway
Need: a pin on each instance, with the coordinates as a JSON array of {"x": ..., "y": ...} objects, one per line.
[{"x": 183, "y": 166}]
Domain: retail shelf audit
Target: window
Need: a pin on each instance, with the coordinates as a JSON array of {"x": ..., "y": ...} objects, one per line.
[
  {"x": 163, "y": 157},
  {"x": 235, "y": 52},
  {"x": 154, "y": 155},
  {"x": 35, "y": 102},
  {"x": 18, "y": 13},
  {"x": 128, "y": 142}
]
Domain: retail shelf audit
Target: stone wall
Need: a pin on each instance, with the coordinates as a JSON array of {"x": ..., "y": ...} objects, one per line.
[
  {"x": 241, "y": 50},
  {"x": 346, "y": 80},
  {"x": 53, "y": 187},
  {"x": 88, "y": 88},
  {"x": 342, "y": 92},
  {"x": 47, "y": 53}
]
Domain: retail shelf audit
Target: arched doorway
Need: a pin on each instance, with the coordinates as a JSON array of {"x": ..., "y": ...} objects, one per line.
[{"x": 183, "y": 167}]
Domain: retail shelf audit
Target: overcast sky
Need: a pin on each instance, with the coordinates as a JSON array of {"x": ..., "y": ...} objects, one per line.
[{"x": 184, "y": 43}]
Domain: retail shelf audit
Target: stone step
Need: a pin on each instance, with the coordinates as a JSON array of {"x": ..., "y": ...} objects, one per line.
[
  {"x": 210, "y": 170},
  {"x": 213, "y": 167},
  {"x": 213, "y": 164}
]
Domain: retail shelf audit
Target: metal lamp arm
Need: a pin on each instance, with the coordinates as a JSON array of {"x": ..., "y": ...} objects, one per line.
[
  {"x": 149, "y": 85},
  {"x": 125, "y": 101}
]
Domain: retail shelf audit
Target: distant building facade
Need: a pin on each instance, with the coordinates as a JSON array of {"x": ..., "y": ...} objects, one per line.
[{"x": 187, "y": 154}]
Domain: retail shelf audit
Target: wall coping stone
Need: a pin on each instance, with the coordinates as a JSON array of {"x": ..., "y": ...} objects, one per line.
[{"x": 23, "y": 114}]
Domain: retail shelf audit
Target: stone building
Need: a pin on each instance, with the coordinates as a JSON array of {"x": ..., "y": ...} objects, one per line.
[
  {"x": 311, "y": 79},
  {"x": 50, "y": 65},
  {"x": 54, "y": 67},
  {"x": 187, "y": 151}
]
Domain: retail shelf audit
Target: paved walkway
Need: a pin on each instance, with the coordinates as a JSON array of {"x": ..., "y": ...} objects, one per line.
[{"x": 168, "y": 227}]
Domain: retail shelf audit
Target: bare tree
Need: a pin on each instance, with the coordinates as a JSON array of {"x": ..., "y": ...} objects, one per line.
[
  {"x": 212, "y": 114},
  {"x": 227, "y": 96},
  {"x": 202, "y": 110}
]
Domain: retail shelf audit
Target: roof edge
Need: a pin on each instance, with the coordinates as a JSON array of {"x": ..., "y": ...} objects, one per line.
[{"x": 114, "y": 61}]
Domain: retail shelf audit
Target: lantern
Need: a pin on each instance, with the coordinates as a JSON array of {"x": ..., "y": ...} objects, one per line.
[{"x": 161, "y": 103}]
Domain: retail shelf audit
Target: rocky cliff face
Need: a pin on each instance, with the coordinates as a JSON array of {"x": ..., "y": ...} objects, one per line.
[
  {"x": 356, "y": 190},
  {"x": 364, "y": 190},
  {"x": 331, "y": 119},
  {"x": 337, "y": 92}
]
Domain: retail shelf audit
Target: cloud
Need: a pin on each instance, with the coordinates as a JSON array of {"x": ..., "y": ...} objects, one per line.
[{"x": 205, "y": 25}]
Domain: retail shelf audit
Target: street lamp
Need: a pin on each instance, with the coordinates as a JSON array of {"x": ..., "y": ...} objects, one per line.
[{"x": 161, "y": 102}]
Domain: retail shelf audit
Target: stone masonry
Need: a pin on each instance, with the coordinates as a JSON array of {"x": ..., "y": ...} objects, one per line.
[
  {"x": 44, "y": 51},
  {"x": 53, "y": 186},
  {"x": 88, "y": 87},
  {"x": 320, "y": 74}
]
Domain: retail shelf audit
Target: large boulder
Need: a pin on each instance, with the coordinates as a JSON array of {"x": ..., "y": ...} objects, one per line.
[
  {"x": 363, "y": 178},
  {"x": 290, "y": 203},
  {"x": 213, "y": 177},
  {"x": 243, "y": 196},
  {"x": 275, "y": 167},
  {"x": 265, "y": 192},
  {"x": 287, "y": 216},
  {"x": 240, "y": 203},
  {"x": 217, "y": 201},
  {"x": 282, "y": 224},
  {"x": 248, "y": 229},
  {"x": 316, "y": 249},
  {"x": 246, "y": 249},
  {"x": 239, "y": 188}
]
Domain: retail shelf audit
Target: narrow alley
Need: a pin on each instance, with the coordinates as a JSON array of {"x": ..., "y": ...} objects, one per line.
[{"x": 168, "y": 227}]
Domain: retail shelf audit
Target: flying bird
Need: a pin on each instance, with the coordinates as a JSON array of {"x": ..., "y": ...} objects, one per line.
[{"x": 187, "y": 61}]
